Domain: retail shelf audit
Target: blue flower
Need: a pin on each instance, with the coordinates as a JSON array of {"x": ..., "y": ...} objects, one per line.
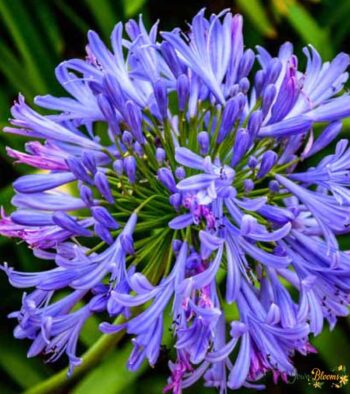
[{"x": 175, "y": 182}]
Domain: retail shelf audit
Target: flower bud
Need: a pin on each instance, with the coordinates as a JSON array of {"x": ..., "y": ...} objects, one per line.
[
  {"x": 203, "y": 142},
  {"x": 180, "y": 173},
  {"x": 183, "y": 91},
  {"x": 127, "y": 138},
  {"x": 134, "y": 119},
  {"x": 252, "y": 162},
  {"x": 273, "y": 71},
  {"x": 268, "y": 96},
  {"x": 103, "y": 233},
  {"x": 130, "y": 168},
  {"x": 241, "y": 146},
  {"x": 118, "y": 167},
  {"x": 244, "y": 85},
  {"x": 89, "y": 161},
  {"x": 171, "y": 58},
  {"x": 248, "y": 185},
  {"x": 167, "y": 179},
  {"x": 175, "y": 200},
  {"x": 66, "y": 222},
  {"x": 229, "y": 116},
  {"x": 246, "y": 64},
  {"x": 274, "y": 186},
  {"x": 138, "y": 149},
  {"x": 78, "y": 169},
  {"x": 325, "y": 138},
  {"x": 259, "y": 82},
  {"x": 106, "y": 108},
  {"x": 103, "y": 187},
  {"x": 160, "y": 155},
  {"x": 267, "y": 162},
  {"x": 254, "y": 123},
  {"x": 104, "y": 217},
  {"x": 161, "y": 96},
  {"x": 86, "y": 195}
]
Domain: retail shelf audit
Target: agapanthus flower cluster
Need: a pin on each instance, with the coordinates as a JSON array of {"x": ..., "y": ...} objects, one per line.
[{"x": 171, "y": 191}]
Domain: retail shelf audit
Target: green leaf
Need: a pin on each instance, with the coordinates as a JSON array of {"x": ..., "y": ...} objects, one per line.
[
  {"x": 132, "y": 7},
  {"x": 76, "y": 20},
  {"x": 14, "y": 71},
  {"x": 90, "y": 332},
  {"x": 25, "y": 372},
  {"x": 111, "y": 376},
  {"x": 255, "y": 11},
  {"x": 333, "y": 347},
  {"x": 53, "y": 33},
  {"x": 28, "y": 42},
  {"x": 6, "y": 193},
  {"x": 105, "y": 15},
  {"x": 309, "y": 30}
]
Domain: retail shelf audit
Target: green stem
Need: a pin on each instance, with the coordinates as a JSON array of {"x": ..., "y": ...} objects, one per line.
[
  {"x": 92, "y": 356},
  {"x": 146, "y": 202}
]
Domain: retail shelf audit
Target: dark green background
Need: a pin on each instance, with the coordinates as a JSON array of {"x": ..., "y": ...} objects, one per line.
[{"x": 35, "y": 35}]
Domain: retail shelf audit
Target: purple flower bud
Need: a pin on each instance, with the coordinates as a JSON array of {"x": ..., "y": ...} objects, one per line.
[
  {"x": 233, "y": 90},
  {"x": 252, "y": 162},
  {"x": 183, "y": 91},
  {"x": 127, "y": 138},
  {"x": 242, "y": 101},
  {"x": 176, "y": 245},
  {"x": 325, "y": 138},
  {"x": 175, "y": 200},
  {"x": 31, "y": 218},
  {"x": 98, "y": 303},
  {"x": 229, "y": 116},
  {"x": 246, "y": 64},
  {"x": 103, "y": 187},
  {"x": 181, "y": 221},
  {"x": 138, "y": 149},
  {"x": 160, "y": 155},
  {"x": 78, "y": 169},
  {"x": 106, "y": 108},
  {"x": 248, "y": 185},
  {"x": 130, "y": 168},
  {"x": 244, "y": 85},
  {"x": 180, "y": 173},
  {"x": 167, "y": 179},
  {"x": 89, "y": 161},
  {"x": 86, "y": 195},
  {"x": 268, "y": 96},
  {"x": 104, "y": 217},
  {"x": 254, "y": 123},
  {"x": 241, "y": 145},
  {"x": 114, "y": 91},
  {"x": 259, "y": 82},
  {"x": 103, "y": 233},
  {"x": 134, "y": 119},
  {"x": 267, "y": 162},
  {"x": 273, "y": 71},
  {"x": 203, "y": 142},
  {"x": 274, "y": 186},
  {"x": 171, "y": 58},
  {"x": 68, "y": 223},
  {"x": 118, "y": 167},
  {"x": 132, "y": 28},
  {"x": 40, "y": 182},
  {"x": 127, "y": 243},
  {"x": 161, "y": 96}
]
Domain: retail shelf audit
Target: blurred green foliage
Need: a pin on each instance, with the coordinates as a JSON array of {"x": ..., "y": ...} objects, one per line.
[{"x": 35, "y": 35}]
